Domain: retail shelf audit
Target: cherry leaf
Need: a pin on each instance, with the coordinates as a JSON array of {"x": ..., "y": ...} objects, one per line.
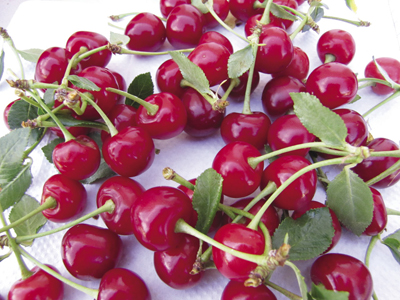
[
  {"x": 351, "y": 200},
  {"x": 319, "y": 292},
  {"x": 31, "y": 55},
  {"x": 319, "y": 120},
  {"x": 206, "y": 197},
  {"x": 393, "y": 242},
  {"x": 83, "y": 83},
  {"x": 309, "y": 236},
  {"x": 119, "y": 39},
  {"x": 1, "y": 62},
  {"x": 281, "y": 13},
  {"x": 49, "y": 147},
  {"x": 48, "y": 96},
  {"x": 70, "y": 121},
  {"x": 141, "y": 86},
  {"x": 240, "y": 61},
  {"x": 352, "y": 5},
  {"x": 316, "y": 15},
  {"x": 191, "y": 72},
  {"x": 23, "y": 207},
  {"x": 385, "y": 75},
  {"x": 21, "y": 111}
]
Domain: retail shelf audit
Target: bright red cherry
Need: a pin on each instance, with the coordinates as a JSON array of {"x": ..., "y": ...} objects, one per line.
[
  {"x": 169, "y": 77},
  {"x": 252, "y": 22},
  {"x": 336, "y": 42},
  {"x": 298, "y": 67},
  {"x": 167, "y": 5},
  {"x": 341, "y": 272},
  {"x": 122, "y": 116},
  {"x": 236, "y": 290},
  {"x": 216, "y": 37},
  {"x": 379, "y": 218},
  {"x": 391, "y": 67},
  {"x": 221, "y": 8},
  {"x": 244, "y": 9}
]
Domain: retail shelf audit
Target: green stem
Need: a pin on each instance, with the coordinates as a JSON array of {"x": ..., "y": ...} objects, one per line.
[
  {"x": 170, "y": 174},
  {"x": 33, "y": 146},
  {"x": 121, "y": 16},
  {"x": 283, "y": 291},
  {"x": 356, "y": 23},
  {"x": 300, "y": 279},
  {"x": 210, "y": 99},
  {"x": 234, "y": 82},
  {"x": 148, "y": 53},
  {"x": 371, "y": 246},
  {"x": 10, "y": 42},
  {"x": 72, "y": 63},
  {"x": 91, "y": 292},
  {"x": 392, "y": 212},
  {"x": 108, "y": 206},
  {"x": 390, "y": 98}
]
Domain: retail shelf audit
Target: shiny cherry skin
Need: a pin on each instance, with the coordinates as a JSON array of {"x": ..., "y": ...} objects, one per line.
[
  {"x": 286, "y": 131},
  {"x": 155, "y": 214},
  {"x": 169, "y": 77},
  {"x": 216, "y": 37},
  {"x": 392, "y": 68},
  {"x": 379, "y": 217},
  {"x": 341, "y": 272},
  {"x": 240, "y": 238},
  {"x": 276, "y": 52},
  {"x": 122, "y": 284},
  {"x": 70, "y": 194},
  {"x": 123, "y": 191},
  {"x": 301, "y": 191},
  {"x": 89, "y": 251},
  {"x": 335, "y": 221},
  {"x": 78, "y": 158},
  {"x": 270, "y": 217},
  {"x": 276, "y": 98},
  {"x": 122, "y": 116},
  {"x": 239, "y": 91},
  {"x": 212, "y": 58},
  {"x": 173, "y": 266},
  {"x": 120, "y": 81},
  {"x": 221, "y": 8},
  {"x": 185, "y": 26},
  {"x": 90, "y": 40},
  {"x": 252, "y": 22},
  {"x": 130, "y": 152},
  {"x": 167, "y": 5},
  {"x": 244, "y": 9},
  {"x": 40, "y": 285},
  {"x": 250, "y": 128},
  {"x": 146, "y": 32},
  {"x": 202, "y": 119},
  {"x": 298, "y": 67},
  {"x": 231, "y": 162},
  {"x": 289, "y": 3},
  {"x": 236, "y": 290},
  {"x": 339, "y": 43},
  {"x": 168, "y": 121},
  {"x": 334, "y": 84},
  {"x": 372, "y": 166}
]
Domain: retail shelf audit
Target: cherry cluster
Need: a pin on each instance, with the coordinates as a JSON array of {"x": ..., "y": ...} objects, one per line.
[{"x": 104, "y": 131}]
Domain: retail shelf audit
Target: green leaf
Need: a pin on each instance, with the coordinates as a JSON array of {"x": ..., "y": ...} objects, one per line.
[
  {"x": 206, "y": 197},
  {"x": 281, "y": 13},
  {"x": 316, "y": 15},
  {"x": 351, "y": 200},
  {"x": 352, "y": 5},
  {"x": 191, "y": 72},
  {"x": 319, "y": 292},
  {"x": 393, "y": 242},
  {"x": 83, "y": 83},
  {"x": 49, "y": 147},
  {"x": 141, "y": 86},
  {"x": 21, "y": 111},
  {"x": 309, "y": 236},
  {"x": 31, "y": 55},
  {"x": 48, "y": 97},
  {"x": 1, "y": 62},
  {"x": 319, "y": 120},
  {"x": 69, "y": 121},
  {"x": 240, "y": 61},
  {"x": 22, "y": 208},
  {"x": 119, "y": 39}
]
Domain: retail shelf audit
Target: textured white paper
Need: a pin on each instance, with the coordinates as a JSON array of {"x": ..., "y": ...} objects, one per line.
[{"x": 43, "y": 24}]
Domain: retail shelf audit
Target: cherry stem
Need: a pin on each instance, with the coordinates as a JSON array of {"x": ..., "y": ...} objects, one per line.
[
  {"x": 371, "y": 246},
  {"x": 121, "y": 16},
  {"x": 392, "y": 212},
  {"x": 210, "y": 99},
  {"x": 234, "y": 82},
  {"x": 149, "y": 53},
  {"x": 85, "y": 53},
  {"x": 283, "y": 291},
  {"x": 300, "y": 279},
  {"x": 329, "y": 58},
  {"x": 33, "y": 146},
  {"x": 6, "y": 37},
  {"x": 170, "y": 174},
  {"x": 72, "y": 63},
  {"x": 50, "y": 202},
  {"x": 359, "y": 23},
  {"x": 390, "y": 98},
  {"x": 91, "y": 292},
  {"x": 108, "y": 206}
]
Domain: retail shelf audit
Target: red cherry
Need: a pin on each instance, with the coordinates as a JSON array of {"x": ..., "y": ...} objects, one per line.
[
  {"x": 244, "y": 9},
  {"x": 338, "y": 43},
  {"x": 236, "y": 290},
  {"x": 240, "y": 238},
  {"x": 298, "y": 67},
  {"x": 216, "y": 37},
  {"x": 122, "y": 116},
  {"x": 167, "y": 5},
  {"x": 289, "y": 3},
  {"x": 146, "y": 32},
  {"x": 221, "y": 8},
  {"x": 231, "y": 162},
  {"x": 252, "y": 22},
  {"x": 121, "y": 83},
  {"x": 341, "y": 272},
  {"x": 78, "y": 158},
  {"x": 379, "y": 218},
  {"x": 40, "y": 285},
  {"x": 169, "y": 77},
  {"x": 130, "y": 152},
  {"x": 122, "y": 284},
  {"x": 391, "y": 67},
  {"x": 88, "y": 251},
  {"x": 123, "y": 191},
  {"x": 70, "y": 195}
]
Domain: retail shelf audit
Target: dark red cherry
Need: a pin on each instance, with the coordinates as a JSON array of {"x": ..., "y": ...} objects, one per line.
[
  {"x": 40, "y": 285},
  {"x": 231, "y": 162},
  {"x": 167, "y": 5},
  {"x": 334, "y": 84},
  {"x": 122, "y": 116},
  {"x": 202, "y": 119},
  {"x": 244, "y": 9},
  {"x": 155, "y": 214},
  {"x": 89, "y": 251},
  {"x": 239, "y": 91},
  {"x": 379, "y": 218},
  {"x": 122, "y": 284},
  {"x": 341, "y": 272},
  {"x": 391, "y": 67},
  {"x": 221, "y": 8},
  {"x": 90, "y": 40},
  {"x": 70, "y": 194},
  {"x": 373, "y": 166},
  {"x": 185, "y": 26},
  {"x": 336, "y": 42},
  {"x": 250, "y": 128},
  {"x": 298, "y": 67},
  {"x": 276, "y": 98},
  {"x": 169, "y": 77},
  {"x": 130, "y": 152},
  {"x": 240, "y": 238},
  {"x": 123, "y": 191},
  {"x": 146, "y": 32},
  {"x": 78, "y": 158},
  {"x": 237, "y": 290},
  {"x": 301, "y": 191},
  {"x": 216, "y": 37}
]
